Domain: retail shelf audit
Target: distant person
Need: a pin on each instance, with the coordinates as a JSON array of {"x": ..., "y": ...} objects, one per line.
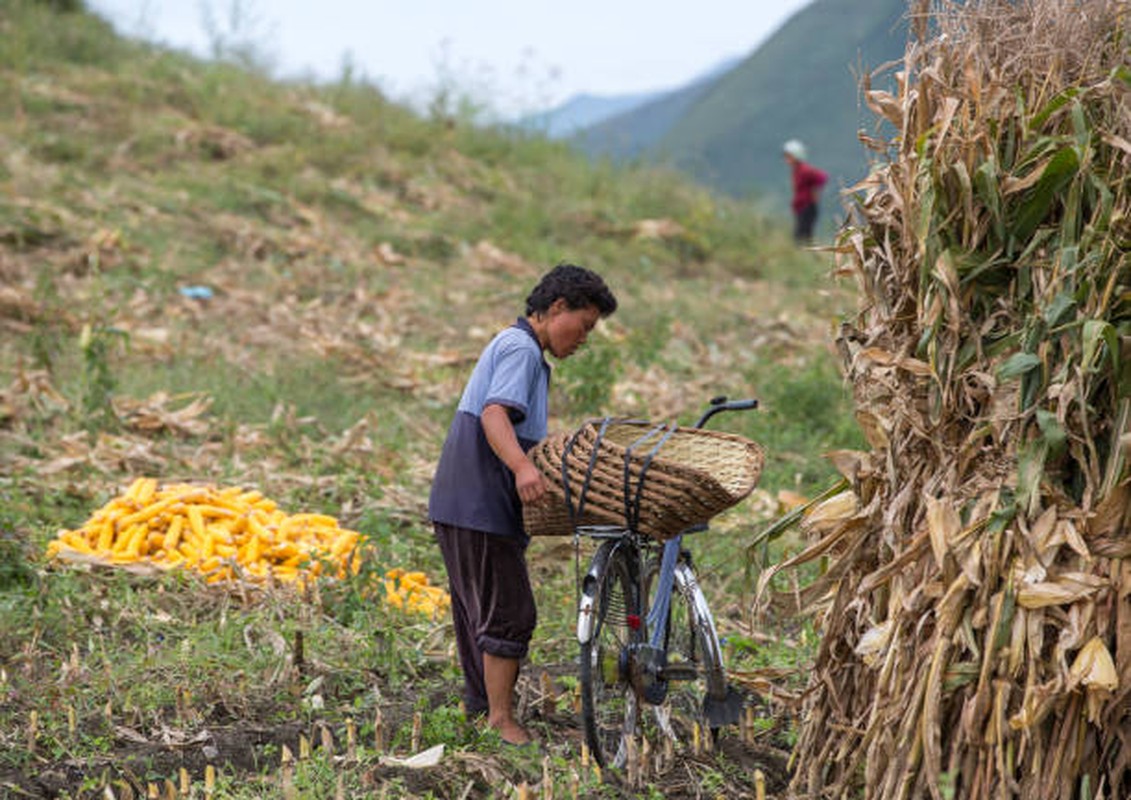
[
  {"x": 484, "y": 476},
  {"x": 807, "y": 184}
]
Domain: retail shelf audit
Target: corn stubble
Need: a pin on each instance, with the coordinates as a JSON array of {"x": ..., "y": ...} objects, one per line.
[{"x": 975, "y": 613}]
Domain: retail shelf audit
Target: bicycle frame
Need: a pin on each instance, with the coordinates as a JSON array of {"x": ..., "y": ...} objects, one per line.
[{"x": 652, "y": 678}]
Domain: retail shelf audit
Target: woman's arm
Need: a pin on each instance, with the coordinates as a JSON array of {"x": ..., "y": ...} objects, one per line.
[{"x": 500, "y": 435}]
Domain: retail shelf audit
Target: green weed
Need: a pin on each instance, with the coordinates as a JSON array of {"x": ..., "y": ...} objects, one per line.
[
  {"x": 584, "y": 383},
  {"x": 99, "y": 345},
  {"x": 805, "y": 412}
]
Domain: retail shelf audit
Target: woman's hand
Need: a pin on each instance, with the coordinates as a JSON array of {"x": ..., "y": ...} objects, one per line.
[{"x": 529, "y": 483}]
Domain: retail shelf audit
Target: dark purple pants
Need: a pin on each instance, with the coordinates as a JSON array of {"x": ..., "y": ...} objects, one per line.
[{"x": 492, "y": 602}]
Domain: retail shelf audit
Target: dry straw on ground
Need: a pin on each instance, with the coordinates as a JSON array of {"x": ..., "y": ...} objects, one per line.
[{"x": 976, "y": 612}]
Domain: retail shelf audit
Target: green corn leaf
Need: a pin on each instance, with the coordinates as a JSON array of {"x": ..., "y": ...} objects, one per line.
[
  {"x": 1034, "y": 333},
  {"x": 1059, "y": 310},
  {"x": 1040, "y": 149},
  {"x": 1051, "y": 107},
  {"x": 995, "y": 347},
  {"x": 1039, "y": 240},
  {"x": 1080, "y": 129},
  {"x": 1070, "y": 222},
  {"x": 1061, "y": 169},
  {"x": 1017, "y": 365},
  {"x": 1030, "y": 470},
  {"x": 1069, "y": 262},
  {"x": 1097, "y": 333},
  {"x": 1102, "y": 201},
  {"x": 1115, "y": 468},
  {"x": 1124, "y": 373},
  {"x": 966, "y": 189},
  {"x": 986, "y": 270},
  {"x": 959, "y": 675},
  {"x": 1052, "y": 431},
  {"x": 987, "y": 184},
  {"x": 1004, "y": 514},
  {"x": 1032, "y": 387},
  {"x": 1005, "y": 623}
]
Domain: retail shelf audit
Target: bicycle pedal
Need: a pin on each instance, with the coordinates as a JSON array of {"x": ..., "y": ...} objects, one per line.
[
  {"x": 723, "y": 710},
  {"x": 679, "y": 671}
]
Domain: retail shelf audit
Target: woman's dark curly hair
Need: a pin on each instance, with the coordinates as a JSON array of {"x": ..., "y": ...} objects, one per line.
[{"x": 578, "y": 286}]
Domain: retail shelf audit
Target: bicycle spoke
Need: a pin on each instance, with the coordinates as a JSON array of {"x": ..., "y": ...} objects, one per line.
[
  {"x": 628, "y": 729},
  {"x": 609, "y": 705},
  {"x": 693, "y": 670}
]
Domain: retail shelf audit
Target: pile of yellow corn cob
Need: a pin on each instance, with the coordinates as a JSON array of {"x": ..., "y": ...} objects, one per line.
[
  {"x": 222, "y": 533},
  {"x": 412, "y": 592}
]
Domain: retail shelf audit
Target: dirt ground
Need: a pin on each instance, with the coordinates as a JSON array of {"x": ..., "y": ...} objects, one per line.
[{"x": 139, "y": 760}]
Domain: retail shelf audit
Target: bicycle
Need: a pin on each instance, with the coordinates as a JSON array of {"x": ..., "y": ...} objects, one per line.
[{"x": 648, "y": 638}]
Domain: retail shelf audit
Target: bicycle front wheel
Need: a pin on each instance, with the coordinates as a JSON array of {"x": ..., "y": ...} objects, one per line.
[
  {"x": 697, "y": 692},
  {"x": 608, "y": 627}
]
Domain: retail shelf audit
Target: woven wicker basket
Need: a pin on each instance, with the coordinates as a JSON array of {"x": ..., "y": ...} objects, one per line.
[{"x": 659, "y": 479}]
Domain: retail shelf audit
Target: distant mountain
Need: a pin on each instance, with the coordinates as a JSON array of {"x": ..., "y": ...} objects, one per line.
[
  {"x": 583, "y": 111},
  {"x": 803, "y": 83},
  {"x": 586, "y": 110}
]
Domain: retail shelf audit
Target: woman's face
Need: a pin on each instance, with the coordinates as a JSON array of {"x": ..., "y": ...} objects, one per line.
[{"x": 568, "y": 328}]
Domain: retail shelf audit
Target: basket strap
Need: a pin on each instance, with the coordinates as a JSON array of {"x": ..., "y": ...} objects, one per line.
[
  {"x": 575, "y": 514},
  {"x": 632, "y": 503}
]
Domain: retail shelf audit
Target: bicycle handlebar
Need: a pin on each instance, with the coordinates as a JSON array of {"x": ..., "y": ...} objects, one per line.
[{"x": 720, "y": 404}]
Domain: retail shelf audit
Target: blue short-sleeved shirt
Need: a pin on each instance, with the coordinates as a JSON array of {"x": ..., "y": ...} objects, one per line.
[{"x": 472, "y": 487}]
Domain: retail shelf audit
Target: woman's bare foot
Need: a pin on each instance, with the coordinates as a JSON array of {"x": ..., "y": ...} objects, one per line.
[{"x": 510, "y": 731}]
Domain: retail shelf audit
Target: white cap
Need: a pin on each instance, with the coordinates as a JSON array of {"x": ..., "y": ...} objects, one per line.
[{"x": 795, "y": 149}]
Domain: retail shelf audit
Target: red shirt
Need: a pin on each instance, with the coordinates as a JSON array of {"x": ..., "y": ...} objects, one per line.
[{"x": 807, "y": 183}]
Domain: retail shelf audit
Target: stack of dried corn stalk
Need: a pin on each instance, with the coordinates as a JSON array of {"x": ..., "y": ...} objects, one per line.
[{"x": 976, "y": 613}]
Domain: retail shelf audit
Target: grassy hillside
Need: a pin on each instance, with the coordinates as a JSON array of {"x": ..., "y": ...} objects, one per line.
[
  {"x": 210, "y": 277},
  {"x": 801, "y": 83}
]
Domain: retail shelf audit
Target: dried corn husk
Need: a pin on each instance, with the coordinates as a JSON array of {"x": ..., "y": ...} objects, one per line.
[{"x": 977, "y": 617}]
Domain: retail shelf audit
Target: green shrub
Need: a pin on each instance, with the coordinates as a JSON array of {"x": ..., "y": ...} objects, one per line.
[{"x": 806, "y": 411}]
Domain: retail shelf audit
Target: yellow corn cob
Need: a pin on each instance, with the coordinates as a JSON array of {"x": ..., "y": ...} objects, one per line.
[
  {"x": 133, "y": 544},
  {"x": 215, "y": 510},
  {"x": 105, "y": 537},
  {"x": 122, "y": 540},
  {"x": 251, "y": 554},
  {"x": 145, "y": 492},
  {"x": 314, "y": 519},
  {"x": 207, "y": 545},
  {"x": 173, "y": 535},
  {"x": 190, "y": 553},
  {"x": 344, "y": 542},
  {"x": 76, "y": 541},
  {"x": 257, "y": 528},
  {"x": 196, "y": 522},
  {"x": 134, "y": 490}
]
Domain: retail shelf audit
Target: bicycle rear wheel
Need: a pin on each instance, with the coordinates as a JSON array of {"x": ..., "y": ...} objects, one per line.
[
  {"x": 697, "y": 691},
  {"x": 609, "y": 626}
]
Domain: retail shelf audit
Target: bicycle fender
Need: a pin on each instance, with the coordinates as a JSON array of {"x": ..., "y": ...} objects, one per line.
[
  {"x": 686, "y": 582},
  {"x": 586, "y": 611}
]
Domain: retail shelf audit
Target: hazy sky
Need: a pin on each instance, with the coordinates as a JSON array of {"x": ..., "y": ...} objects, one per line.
[{"x": 518, "y": 55}]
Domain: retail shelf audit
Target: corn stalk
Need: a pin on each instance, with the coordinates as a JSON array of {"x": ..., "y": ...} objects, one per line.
[{"x": 976, "y": 620}]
